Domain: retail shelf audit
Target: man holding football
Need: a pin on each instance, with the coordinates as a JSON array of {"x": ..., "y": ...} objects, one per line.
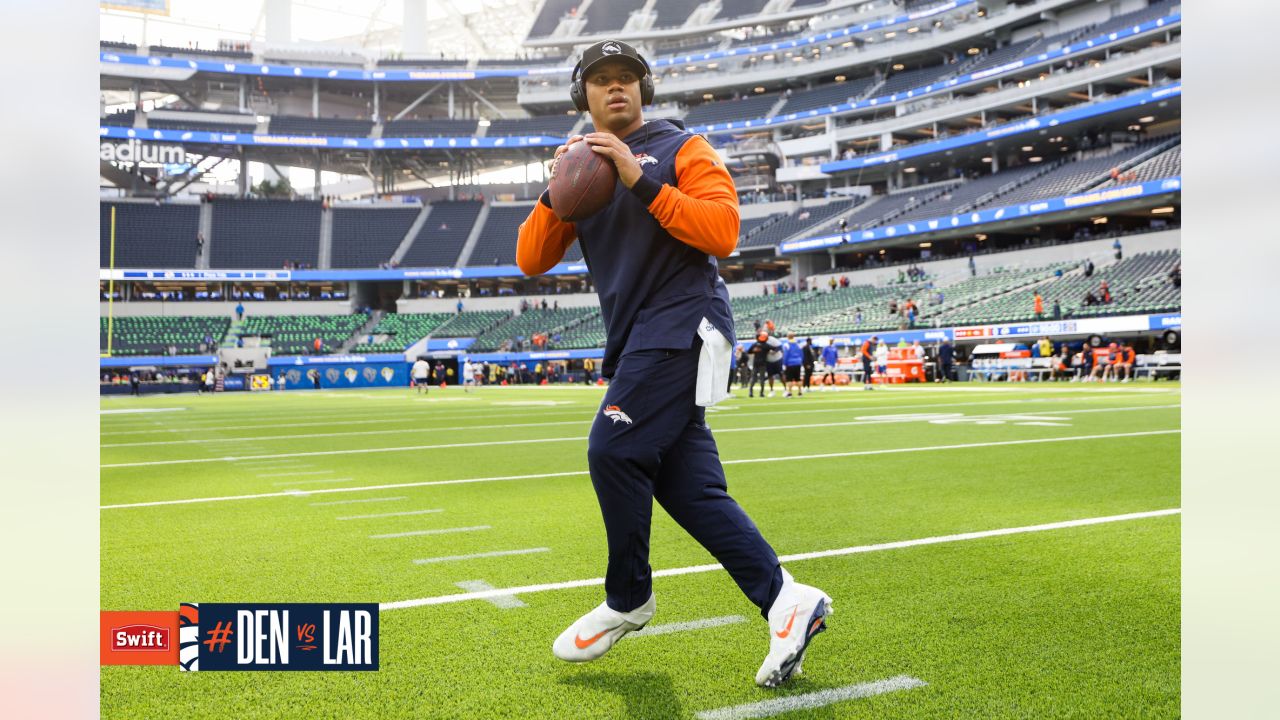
[{"x": 652, "y": 256}]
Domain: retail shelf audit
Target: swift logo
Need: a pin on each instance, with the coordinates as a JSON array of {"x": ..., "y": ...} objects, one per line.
[
  {"x": 613, "y": 412},
  {"x": 140, "y": 637}
]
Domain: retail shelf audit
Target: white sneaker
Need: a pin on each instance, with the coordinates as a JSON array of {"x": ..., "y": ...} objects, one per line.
[
  {"x": 770, "y": 393},
  {"x": 788, "y": 639},
  {"x": 594, "y": 633}
]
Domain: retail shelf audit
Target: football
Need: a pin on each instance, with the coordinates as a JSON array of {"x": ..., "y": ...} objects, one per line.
[{"x": 583, "y": 184}]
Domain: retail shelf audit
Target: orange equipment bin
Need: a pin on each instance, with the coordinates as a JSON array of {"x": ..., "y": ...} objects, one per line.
[{"x": 903, "y": 367}]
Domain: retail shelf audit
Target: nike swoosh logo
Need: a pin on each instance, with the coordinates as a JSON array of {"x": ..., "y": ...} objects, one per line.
[
  {"x": 584, "y": 644},
  {"x": 784, "y": 632}
]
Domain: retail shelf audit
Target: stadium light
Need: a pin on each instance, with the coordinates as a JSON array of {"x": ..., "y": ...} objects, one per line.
[
  {"x": 1147, "y": 119},
  {"x": 840, "y": 78},
  {"x": 1027, "y": 148},
  {"x": 986, "y": 159},
  {"x": 926, "y": 244},
  {"x": 1034, "y": 158},
  {"x": 973, "y": 51},
  {"x": 898, "y": 66},
  {"x": 1162, "y": 210}
]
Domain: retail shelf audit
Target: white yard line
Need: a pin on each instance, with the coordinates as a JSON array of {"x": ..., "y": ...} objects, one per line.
[
  {"x": 991, "y": 419},
  {"x": 670, "y": 572},
  {"x": 475, "y": 556},
  {"x": 291, "y": 483},
  {"x": 809, "y": 701},
  {"x": 536, "y": 476},
  {"x": 437, "y": 531},
  {"x": 683, "y": 626},
  {"x": 292, "y": 474},
  {"x": 390, "y": 514},
  {"x": 505, "y": 602},
  {"x": 346, "y": 502}
]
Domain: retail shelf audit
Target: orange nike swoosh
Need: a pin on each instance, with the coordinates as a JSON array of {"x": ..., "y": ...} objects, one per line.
[
  {"x": 583, "y": 644},
  {"x": 784, "y": 632}
]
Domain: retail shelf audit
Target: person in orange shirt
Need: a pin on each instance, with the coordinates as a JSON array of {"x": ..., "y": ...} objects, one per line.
[
  {"x": 1125, "y": 359},
  {"x": 866, "y": 353},
  {"x": 1039, "y": 306}
]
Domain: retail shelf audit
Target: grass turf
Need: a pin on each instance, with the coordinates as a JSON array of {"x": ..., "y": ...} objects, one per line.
[{"x": 1077, "y": 622}]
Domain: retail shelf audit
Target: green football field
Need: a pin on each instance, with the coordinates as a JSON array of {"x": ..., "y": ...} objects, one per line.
[{"x": 939, "y": 518}]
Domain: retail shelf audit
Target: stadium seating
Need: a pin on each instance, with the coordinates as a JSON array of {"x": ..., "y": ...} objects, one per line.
[
  {"x": 587, "y": 333},
  {"x": 424, "y": 63},
  {"x": 549, "y": 16},
  {"x": 200, "y": 125},
  {"x": 497, "y": 243},
  {"x": 786, "y": 226},
  {"x": 320, "y": 127},
  {"x": 525, "y": 62},
  {"x": 471, "y": 323},
  {"x": 149, "y": 235},
  {"x": 739, "y": 8},
  {"x": 912, "y": 79},
  {"x": 264, "y": 233},
  {"x": 1002, "y": 295},
  {"x": 1138, "y": 284},
  {"x": 1069, "y": 177},
  {"x": 671, "y": 13},
  {"x": 430, "y": 128},
  {"x": 162, "y": 50},
  {"x": 826, "y": 95},
  {"x": 442, "y": 237},
  {"x": 1008, "y": 53},
  {"x": 963, "y": 196},
  {"x": 295, "y": 334},
  {"x": 747, "y": 108},
  {"x": 554, "y": 125},
  {"x": 118, "y": 119},
  {"x": 606, "y": 15},
  {"x": 402, "y": 330},
  {"x": 533, "y": 320},
  {"x": 367, "y": 237},
  {"x": 1166, "y": 164},
  {"x": 157, "y": 335}
]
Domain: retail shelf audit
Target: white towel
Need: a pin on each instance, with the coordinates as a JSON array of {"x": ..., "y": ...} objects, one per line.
[{"x": 713, "y": 365}]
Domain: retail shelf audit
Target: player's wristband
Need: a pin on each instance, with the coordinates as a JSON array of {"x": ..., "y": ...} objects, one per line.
[
  {"x": 647, "y": 189},
  {"x": 545, "y": 199}
]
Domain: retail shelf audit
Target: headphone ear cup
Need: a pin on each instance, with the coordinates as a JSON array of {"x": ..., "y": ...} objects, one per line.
[
  {"x": 579, "y": 97},
  {"x": 646, "y": 90}
]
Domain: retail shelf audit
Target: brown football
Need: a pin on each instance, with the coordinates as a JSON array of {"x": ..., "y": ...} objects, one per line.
[{"x": 583, "y": 184}]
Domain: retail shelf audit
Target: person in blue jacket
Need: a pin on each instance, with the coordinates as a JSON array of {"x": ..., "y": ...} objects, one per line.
[{"x": 792, "y": 360}]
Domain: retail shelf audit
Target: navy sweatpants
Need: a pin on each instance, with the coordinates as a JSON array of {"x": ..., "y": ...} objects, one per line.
[{"x": 649, "y": 441}]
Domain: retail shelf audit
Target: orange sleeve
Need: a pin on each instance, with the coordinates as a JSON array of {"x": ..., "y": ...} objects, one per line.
[
  {"x": 543, "y": 240},
  {"x": 702, "y": 211}
]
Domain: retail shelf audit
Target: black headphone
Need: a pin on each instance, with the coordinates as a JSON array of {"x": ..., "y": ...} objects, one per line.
[{"x": 578, "y": 85}]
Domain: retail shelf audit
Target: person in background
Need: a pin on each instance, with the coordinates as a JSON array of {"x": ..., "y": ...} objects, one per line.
[
  {"x": 1118, "y": 249},
  {"x": 1062, "y": 363},
  {"x": 830, "y": 356},
  {"x": 1039, "y": 306},
  {"x": 1125, "y": 358},
  {"x": 759, "y": 353},
  {"x": 946, "y": 359},
  {"x": 421, "y": 375},
  {"x": 588, "y": 370},
  {"x": 134, "y": 383},
  {"x": 792, "y": 363},
  {"x": 866, "y": 353},
  {"x": 239, "y": 311},
  {"x": 810, "y": 358},
  {"x": 468, "y": 375},
  {"x": 1057, "y": 310},
  {"x": 882, "y": 359}
]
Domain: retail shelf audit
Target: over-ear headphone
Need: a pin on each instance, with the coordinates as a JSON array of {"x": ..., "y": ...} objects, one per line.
[{"x": 578, "y": 86}]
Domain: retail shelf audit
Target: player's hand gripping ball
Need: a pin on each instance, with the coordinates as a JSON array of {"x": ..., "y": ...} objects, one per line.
[{"x": 582, "y": 181}]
